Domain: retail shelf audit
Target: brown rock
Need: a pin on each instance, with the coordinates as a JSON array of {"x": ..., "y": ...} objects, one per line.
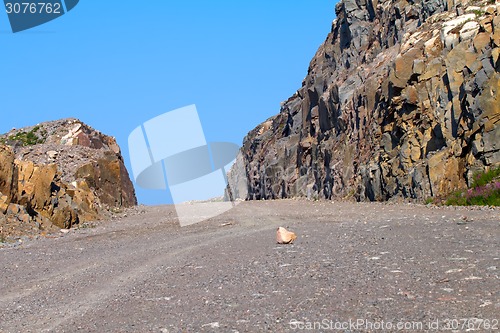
[
  {"x": 4, "y": 203},
  {"x": 6, "y": 171},
  {"x": 404, "y": 64},
  {"x": 444, "y": 174},
  {"x": 53, "y": 194},
  {"x": 490, "y": 10},
  {"x": 24, "y": 218},
  {"x": 495, "y": 55},
  {"x": 411, "y": 95},
  {"x": 64, "y": 217},
  {"x": 35, "y": 183},
  {"x": 487, "y": 24},
  {"x": 433, "y": 47},
  {"x": 434, "y": 68},
  {"x": 284, "y": 236},
  {"x": 13, "y": 209},
  {"x": 110, "y": 177},
  {"x": 460, "y": 57},
  {"x": 418, "y": 66},
  {"x": 496, "y": 37},
  {"x": 481, "y": 41}
]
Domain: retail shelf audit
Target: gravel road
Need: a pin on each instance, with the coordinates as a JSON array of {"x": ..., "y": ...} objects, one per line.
[{"x": 355, "y": 267}]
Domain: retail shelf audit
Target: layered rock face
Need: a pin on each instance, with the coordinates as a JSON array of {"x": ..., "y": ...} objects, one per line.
[
  {"x": 57, "y": 174},
  {"x": 401, "y": 101}
]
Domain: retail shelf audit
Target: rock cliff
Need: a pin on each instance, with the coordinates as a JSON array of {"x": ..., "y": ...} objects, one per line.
[
  {"x": 57, "y": 174},
  {"x": 401, "y": 101}
]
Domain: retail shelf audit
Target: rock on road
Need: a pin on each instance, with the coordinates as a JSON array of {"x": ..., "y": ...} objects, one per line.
[{"x": 374, "y": 264}]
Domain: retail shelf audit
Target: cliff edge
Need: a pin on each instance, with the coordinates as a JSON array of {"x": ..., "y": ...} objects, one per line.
[{"x": 401, "y": 101}]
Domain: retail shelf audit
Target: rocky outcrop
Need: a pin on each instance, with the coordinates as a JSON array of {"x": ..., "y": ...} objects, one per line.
[
  {"x": 58, "y": 174},
  {"x": 401, "y": 101}
]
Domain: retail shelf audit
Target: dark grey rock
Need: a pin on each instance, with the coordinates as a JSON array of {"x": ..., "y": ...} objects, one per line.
[{"x": 386, "y": 110}]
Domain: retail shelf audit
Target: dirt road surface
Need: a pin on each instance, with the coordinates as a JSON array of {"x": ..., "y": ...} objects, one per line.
[{"x": 355, "y": 267}]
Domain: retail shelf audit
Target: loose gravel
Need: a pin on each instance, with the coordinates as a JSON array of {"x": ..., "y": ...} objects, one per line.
[{"x": 355, "y": 267}]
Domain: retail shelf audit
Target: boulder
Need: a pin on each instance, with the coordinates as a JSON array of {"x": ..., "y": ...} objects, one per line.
[
  {"x": 284, "y": 236},
  {"x": 67, "y": 173}
]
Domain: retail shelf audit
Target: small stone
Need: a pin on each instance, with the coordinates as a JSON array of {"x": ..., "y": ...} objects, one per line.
[
  {"x": 24, "y": 218},
  {"x": 212, "y": 325},
  {"x": 284, "y": 236},
  {"x": 13, "y": 209},
  {"x": 4, "y": 203},
  {"x": 52, "y": 154}
]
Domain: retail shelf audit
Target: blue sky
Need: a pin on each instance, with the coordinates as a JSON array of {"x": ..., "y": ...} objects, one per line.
[{"x": 117, "y": 64}]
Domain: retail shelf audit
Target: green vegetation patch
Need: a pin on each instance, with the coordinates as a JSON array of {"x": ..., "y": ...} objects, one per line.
[
  {"x": 485, "y": 191},
  {"x": 478, "y": 12},
  {"x": 33, "y": 137},
  {"x": 485, "y": 178}
]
